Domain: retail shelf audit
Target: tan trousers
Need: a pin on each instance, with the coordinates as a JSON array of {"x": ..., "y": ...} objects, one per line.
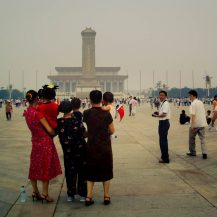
[{"x": 200, "y": 131}]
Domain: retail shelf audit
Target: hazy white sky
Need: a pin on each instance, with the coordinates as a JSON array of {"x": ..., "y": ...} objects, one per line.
[{"x": 137, "y": 35}]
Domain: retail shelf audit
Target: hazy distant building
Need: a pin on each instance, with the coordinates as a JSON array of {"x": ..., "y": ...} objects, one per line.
[{"x": 79, "y": 81}]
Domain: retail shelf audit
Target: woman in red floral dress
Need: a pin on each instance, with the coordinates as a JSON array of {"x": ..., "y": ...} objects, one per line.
[{"x": 44, "y": 161}]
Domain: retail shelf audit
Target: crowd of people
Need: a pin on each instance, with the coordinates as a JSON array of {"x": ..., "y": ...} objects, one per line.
[
  {"x": 87, "y": 152},
  {"x": 199, "y": 119},
  {"x": 85, "y": 160}
]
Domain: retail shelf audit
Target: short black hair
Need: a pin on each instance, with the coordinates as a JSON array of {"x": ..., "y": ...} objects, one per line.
[
  {"x": 48, "y": 92},
  {"x": 164, "y": 92},
  {"x": 95, "y": 96},
  {"x": 215, "y": 96},
  {"x": 76, "y": 103},
  {"x": 31, "y": 95},
  {"x": 65, "y": 107},
  {"x": 108, "y": 97},
  {"x": 193, "y": 93},
  {"x": 40, "y": 93}
]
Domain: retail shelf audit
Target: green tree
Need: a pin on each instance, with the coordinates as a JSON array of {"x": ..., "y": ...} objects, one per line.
[{"x": 17, "y": 94}]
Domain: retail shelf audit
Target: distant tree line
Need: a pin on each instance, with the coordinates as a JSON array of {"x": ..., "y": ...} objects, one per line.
[
  {"x": 172, "y": 92},
  {"x": 177, "y": 92},
  {"x": 183, "y": 92},
  {"x": 15, "y": 93}
]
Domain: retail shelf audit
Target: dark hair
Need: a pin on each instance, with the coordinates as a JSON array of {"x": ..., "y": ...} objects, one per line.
[
  {"x": 48, "y": 92},
  {"x": 40, "y": 93},
  {"x": 183, "y": 111},
  {"x": 164, "y": 92},
  {"x": 108, "y": 97},
  {"x": 215, "y": 96},
  {"x": 193, "y": 93},
  {"x": 76, "y": 103},
  {"x": 208, "y": 111},
  {"x": 96, "y": 96},
  {"x": 65, "y": 107},
  {"x": 31, "y": 95}
]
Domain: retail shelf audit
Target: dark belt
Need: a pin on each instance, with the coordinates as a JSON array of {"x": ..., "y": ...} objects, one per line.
[{"x": 164, "y": 120}]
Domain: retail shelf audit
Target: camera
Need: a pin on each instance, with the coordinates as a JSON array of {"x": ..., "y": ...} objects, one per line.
[{"x": 155, "y": 113}]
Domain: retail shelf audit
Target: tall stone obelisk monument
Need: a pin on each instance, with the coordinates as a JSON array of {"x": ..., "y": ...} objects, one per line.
[{"x": 88, "y": 80}]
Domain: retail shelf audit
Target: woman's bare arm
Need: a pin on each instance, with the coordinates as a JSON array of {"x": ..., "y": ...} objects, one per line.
[
  {"x": 47, "y": 126},
  {"x": 111, "y": 128}
]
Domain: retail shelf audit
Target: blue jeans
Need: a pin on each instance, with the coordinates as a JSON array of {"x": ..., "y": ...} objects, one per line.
[{"x": 163, "y": 128}]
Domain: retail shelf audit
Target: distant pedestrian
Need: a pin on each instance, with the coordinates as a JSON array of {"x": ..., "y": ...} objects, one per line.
[
  {"x": 198, "y": 124},
  {"x": 1, "y": 102},
  {"x": 84, "y": 102},
  {"x": 208, "y": 117},
  {"x": 183, "y": 118},
  {"x": 134, "y": 103},
  {"x": 8, "y": 109},
  {"x": 130, "y": 105},
  {"x": 164, "y": 116},
  {"x": 213, "y": 114}
]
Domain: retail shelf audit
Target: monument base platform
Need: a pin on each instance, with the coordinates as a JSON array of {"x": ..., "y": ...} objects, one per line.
[{"x": 83, "y": 90}]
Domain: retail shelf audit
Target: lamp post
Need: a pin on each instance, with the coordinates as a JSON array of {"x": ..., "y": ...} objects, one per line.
[
  {"x": 208, "y": 83},
  {"x": 180, "y": 84},
  {"x": 140, "y": 84},
  {"x": 153, "y": 81},
  {"x": 24, "y": 92},
  {"x": 10, "y": 90}
]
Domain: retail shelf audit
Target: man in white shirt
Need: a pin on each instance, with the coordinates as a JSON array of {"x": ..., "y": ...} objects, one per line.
[
  {"x": 130, "y": 105},
  {"x": 164, "y": 125},
  {"x": 198, "y": 124}
]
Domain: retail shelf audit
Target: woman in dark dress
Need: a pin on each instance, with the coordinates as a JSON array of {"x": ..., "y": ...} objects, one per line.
[
  {"x": 99, "y": 152},
  {"x": 71, "y": 135}
]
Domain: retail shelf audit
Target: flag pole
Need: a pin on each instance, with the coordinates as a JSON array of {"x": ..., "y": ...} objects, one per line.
[{"x": 180, "y": 84}]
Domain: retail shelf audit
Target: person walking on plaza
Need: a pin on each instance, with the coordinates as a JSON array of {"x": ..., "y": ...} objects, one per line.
[
  {"x": 134, "y": 103},
  {"x": 8, "y": 110},
  {"x": 99, "y": 151},
  {"x": 164, "y": 116},
  {"x": 198, "y": 124},
  {"x": 44, "y": 161},
  {"x": 214, "y": 114},
  {"x": 130, "y": 105}
]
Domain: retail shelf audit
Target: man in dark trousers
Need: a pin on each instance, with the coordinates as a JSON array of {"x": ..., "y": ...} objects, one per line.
[{"x": 164, "y": 125}]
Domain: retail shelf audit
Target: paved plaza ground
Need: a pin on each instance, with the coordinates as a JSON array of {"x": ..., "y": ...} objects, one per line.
[{"x": 141, "y": 186}]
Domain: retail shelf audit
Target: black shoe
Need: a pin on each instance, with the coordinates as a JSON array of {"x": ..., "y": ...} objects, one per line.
[
  {"x": 204, "y": 156},
  {"x": 164, "y": 161},
  {"x": 191, "y": 154},
  {"x": 89, "y": 201},
  {"x": 107, "y": 200}
]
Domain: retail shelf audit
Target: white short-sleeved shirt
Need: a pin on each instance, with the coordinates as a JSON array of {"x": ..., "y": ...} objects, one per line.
[
  {"x": 197, "y": 109},
  {"x": 164, "y": 108}
]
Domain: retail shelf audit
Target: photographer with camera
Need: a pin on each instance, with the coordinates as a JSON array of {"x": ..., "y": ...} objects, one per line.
[{"x": 164, "y": 115}]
